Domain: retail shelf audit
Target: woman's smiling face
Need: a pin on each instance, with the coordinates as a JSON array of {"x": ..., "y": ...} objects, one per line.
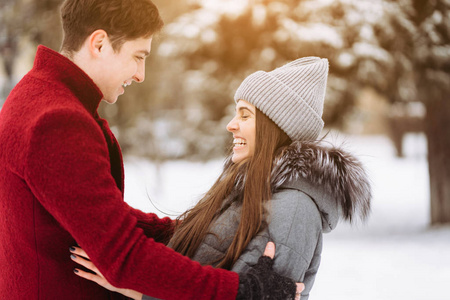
[{"x": 243, "y": 128}]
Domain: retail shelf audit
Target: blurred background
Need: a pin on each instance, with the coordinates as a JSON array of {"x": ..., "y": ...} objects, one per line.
[{"x": 388, "y": 101}]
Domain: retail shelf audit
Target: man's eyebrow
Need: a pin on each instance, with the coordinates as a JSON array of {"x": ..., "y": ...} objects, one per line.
[{"x": 144, "y": 52}]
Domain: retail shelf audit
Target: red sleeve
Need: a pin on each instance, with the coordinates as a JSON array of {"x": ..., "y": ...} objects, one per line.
[
  {"x": 67, "y": 169},
  {"x": 160, "y": 229}
]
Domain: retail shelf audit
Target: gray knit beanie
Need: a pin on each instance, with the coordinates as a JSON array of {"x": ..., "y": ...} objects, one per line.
[{"x": 292, "y": 96}]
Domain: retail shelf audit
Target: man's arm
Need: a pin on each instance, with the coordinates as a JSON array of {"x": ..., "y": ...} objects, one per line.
[
  {"x": 68, "y": 170},
  {"x": 265, "y": 286},
  {"x": 160, "y": 229}
]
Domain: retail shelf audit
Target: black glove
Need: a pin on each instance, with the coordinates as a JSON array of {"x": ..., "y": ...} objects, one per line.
[{"x": 261, "y": 282}]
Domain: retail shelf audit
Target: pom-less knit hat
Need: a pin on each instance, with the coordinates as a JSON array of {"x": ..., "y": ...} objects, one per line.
[{"x": 292, "y": 96}]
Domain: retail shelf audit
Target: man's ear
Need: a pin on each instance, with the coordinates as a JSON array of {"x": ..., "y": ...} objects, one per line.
[{"x": 97, "y": 41}]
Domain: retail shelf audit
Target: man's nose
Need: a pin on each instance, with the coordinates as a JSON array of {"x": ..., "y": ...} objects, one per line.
[{"x": 140, "y": 74}]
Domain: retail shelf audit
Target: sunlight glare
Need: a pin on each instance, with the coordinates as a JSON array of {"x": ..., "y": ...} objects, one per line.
[{"x": 228, "y": 7}]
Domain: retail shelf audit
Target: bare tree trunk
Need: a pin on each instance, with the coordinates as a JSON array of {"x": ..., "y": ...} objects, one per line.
[
  {"x": 8, "y": 50},
  {"x": 433, "y": 74},
  {"x": 438, "y": 135}
]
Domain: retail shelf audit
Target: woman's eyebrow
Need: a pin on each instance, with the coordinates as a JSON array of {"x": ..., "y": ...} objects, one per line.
[{"x": 242, "y": 108}]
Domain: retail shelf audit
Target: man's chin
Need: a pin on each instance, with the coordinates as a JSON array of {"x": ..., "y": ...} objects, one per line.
[{"x": 110, "y": 100}]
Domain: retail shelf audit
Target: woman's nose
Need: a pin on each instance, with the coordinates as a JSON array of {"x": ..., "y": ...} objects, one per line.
[{"x": 232, "y": 125}]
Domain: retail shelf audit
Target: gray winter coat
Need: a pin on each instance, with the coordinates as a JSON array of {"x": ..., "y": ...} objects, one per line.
[
  {"x": 313, "y": 186},
  {"x": 294, "y": 225}
]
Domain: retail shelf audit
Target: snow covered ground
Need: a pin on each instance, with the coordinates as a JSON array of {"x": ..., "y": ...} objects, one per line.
[{"x": 395, "y": 255}]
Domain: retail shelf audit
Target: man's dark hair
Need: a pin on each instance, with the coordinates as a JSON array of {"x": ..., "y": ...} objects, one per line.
[{"x": 123, "y": 20}]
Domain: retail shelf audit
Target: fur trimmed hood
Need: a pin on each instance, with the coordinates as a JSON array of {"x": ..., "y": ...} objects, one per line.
[{"x": 333, "y": 178}]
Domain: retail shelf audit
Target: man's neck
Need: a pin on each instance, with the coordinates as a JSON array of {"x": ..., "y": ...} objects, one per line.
[{"x": 67, "y": 54}]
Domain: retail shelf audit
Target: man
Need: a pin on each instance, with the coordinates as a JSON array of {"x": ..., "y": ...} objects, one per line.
[{"x": 61, "y": 174}]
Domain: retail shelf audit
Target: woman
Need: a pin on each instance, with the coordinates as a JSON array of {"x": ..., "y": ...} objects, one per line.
[{"x": 280, "y": 184}]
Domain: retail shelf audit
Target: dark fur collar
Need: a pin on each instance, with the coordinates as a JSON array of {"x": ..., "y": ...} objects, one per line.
[
  {"x": 328, "y": 168},
  {"x": 335, "y": 179}
]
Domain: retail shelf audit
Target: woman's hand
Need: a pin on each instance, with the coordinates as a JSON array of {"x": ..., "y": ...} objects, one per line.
[
  {"x": 261, "y": 281},
  {"x": 270, "y": 252},
  {"x": 80, "y": 257}
]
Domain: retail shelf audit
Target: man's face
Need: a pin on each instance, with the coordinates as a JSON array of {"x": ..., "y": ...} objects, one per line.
[{"x": 119, "y": 69}]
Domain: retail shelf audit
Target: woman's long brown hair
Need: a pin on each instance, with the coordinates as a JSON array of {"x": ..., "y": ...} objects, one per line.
[{"x": 197, "y": 221}]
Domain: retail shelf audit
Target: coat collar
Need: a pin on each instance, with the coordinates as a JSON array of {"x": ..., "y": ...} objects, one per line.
[
  {"x": 332, "y": 177},
  {"x": 49, "y": 64}
]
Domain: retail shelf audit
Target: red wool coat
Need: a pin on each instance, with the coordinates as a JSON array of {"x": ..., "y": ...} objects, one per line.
[{"x": 61, "y": 182}]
